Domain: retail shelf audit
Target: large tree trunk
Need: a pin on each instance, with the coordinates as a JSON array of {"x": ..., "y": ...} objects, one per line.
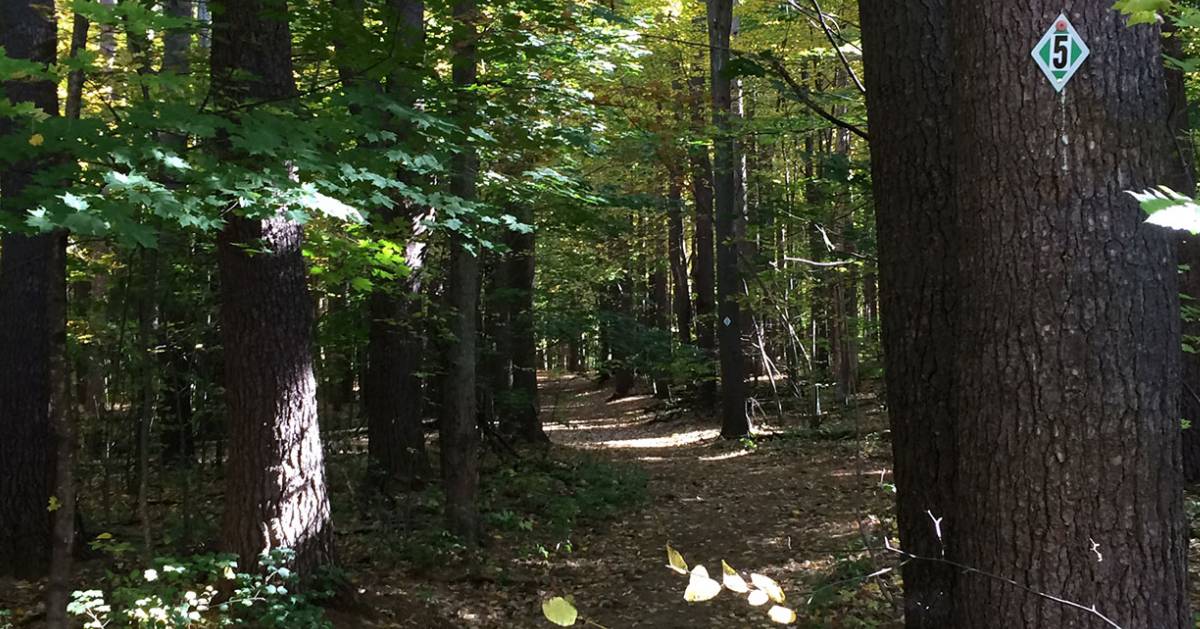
[
  {"x": 32, "y": 274},
  {"x": 392, "y": 389},
  {"x": 703, "y": 276},
  {"x": 908, "y": 80},
  {"x": 1068, "y": 368},
  {"x": 459, "y": 433},
  {"x": 734, "y": 422},
  {"x": 275, "y": 492}
]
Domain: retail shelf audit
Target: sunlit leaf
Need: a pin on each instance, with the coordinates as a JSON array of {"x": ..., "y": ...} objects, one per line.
[
  {"x": 701, "y": 587},
  {"x": 732, "y": 580},
  {"x": 768, "y": 585},
  {"x": 1170, "y": 209},
  {"x": 560, "y": 611},
  {"x": 781, "y": 615},
  {"x": 1142, "y": 11},
  {"x": 675, "y": 561},
  {"x": 36, "y": 139}
]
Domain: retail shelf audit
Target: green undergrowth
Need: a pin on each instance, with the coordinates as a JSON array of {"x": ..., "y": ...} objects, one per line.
[{"x": 531, "y": 508}]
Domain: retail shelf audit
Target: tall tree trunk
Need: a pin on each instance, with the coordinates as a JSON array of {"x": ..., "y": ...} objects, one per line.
[
  {"x": 660, "y": 294},
  {"x": 1068, "y": 368},
  {"x": 393, "y": 392},
  {"x": 275, "y": 492},
  {"x": 734, "y": 422},
  {"x": 459, "y": 434},
  {"x": 679, "y": 277},
  {"x": 621, "y": 320},
  {"x": 32, "y": 274},
  {"x": 521, "y": 419},
  {"x": 908, "y": 79},
  {"x": 703, "y": 276}
]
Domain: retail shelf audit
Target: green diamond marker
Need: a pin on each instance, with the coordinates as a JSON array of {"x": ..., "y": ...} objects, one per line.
[{"x": 1060, "y": 52}]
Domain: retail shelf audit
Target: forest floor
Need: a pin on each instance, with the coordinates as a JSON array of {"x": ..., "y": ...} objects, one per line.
[
  {"x": 792, "y": 503},
  {"x": 588, "y": 517}
]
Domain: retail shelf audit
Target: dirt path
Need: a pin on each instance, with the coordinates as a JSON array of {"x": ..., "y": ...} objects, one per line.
[{"x": 786, "y": 508}]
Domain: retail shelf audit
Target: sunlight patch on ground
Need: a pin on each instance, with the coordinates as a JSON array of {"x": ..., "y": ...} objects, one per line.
[
  {"x": 726, "y": 456},
  {"x": 668, "y": 441},
  {"x": 597, "y": 424},
  {"x": 877, "y": 473},
  {"x": 629, "y": 400}
]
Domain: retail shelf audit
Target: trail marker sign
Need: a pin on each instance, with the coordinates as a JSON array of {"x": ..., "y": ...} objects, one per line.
[{"x": 1060, "y": 52}]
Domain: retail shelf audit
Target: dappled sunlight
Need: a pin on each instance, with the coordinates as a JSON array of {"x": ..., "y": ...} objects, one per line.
[
  {"x": 667, "y": 441},
  {"x": 726, "y": 456}
]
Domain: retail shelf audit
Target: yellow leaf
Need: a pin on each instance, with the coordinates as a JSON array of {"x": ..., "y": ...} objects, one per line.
[
  {"x": 104, "y": 536},
  {"x": 675, "y": 561},
  {"x": 36, "y": 139},
  {"x": 54, "y": 505},
  {"x": 700, "y": 587},
  {"x": 560, "y": 611},
  {"x": 732, "y": 580},
  {"x": 758, "y": 598},
  {"x": 768, "y": 585},
  {"x": 782, "y": 615}
]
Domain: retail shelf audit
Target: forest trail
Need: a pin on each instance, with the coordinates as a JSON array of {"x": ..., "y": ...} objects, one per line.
[{"x": 787, "y": 508}]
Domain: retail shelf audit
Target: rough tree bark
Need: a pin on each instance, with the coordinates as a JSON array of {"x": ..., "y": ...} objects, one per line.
[
  {"x": 734, "y": 422},
  {"x": 1069, "y": 478},
  {"x": 275, "y": 492},
  {"x": 32, "y": 274},
  {"x": 908, "y": 79},
  {"x": 459, "y": 434}
]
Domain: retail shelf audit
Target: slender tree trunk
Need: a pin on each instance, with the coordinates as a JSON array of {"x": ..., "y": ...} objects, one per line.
[
  {"x": 703, "y": 276},
  {"x": 148, "y": 394},
  {"x": 661, "y": 301},
  {"x": 32, "y": 272},
  {"x": 734, "y": 422},
  {"x": 908, "y": 79},
  {"x": 62, "y": 420},
  {"x": 275, "y": 491},
  {"x": 459, "y": 434},
  {"x": 679, "y": 277},
  {"x": 1068, "y": 369}
]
